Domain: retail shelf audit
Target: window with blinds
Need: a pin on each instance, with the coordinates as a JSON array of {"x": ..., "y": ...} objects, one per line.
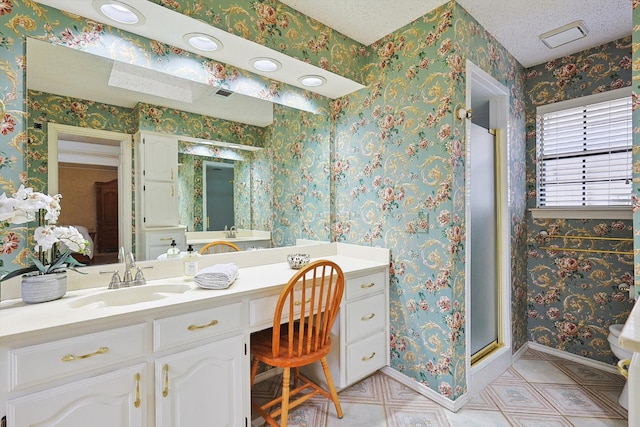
[{"x": 584, "y": 151}]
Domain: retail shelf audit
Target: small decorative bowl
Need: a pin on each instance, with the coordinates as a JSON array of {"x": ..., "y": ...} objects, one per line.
[{"x": 297, "y": 261}]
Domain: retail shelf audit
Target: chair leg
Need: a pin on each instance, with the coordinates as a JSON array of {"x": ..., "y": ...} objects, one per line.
[
  {"x": 286, "y": 381},
  {"x": 332, "y": 388},
  {"x": 254, "y": 370}
]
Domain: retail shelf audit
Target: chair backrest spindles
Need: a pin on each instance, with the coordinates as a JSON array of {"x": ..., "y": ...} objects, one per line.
[{"x": 312, "y": 299}]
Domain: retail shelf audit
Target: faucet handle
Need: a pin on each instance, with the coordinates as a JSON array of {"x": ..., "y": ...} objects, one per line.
[
  {"x": 139, "y": 279},
  {"x": 115, "y": 282}
]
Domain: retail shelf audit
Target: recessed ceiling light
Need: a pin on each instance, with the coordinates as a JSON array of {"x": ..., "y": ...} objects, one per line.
[
  {"x": 312, "y": 81},
  {"x": 119, "y": 12},
  {"x": 565, "y": 34},
  {"x": 265, "y": 64},
  {"x": 203, "y": 41}
]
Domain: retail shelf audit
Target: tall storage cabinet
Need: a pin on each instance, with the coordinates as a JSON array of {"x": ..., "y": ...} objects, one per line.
[{"x": 157, "y": 189}]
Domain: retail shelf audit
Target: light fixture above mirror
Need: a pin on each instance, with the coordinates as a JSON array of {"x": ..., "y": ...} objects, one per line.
[
  {"x": 119, "y": 12},
  {"x": 169, "y": 27},
  {"x": 312, "y": 81},
  {"x": 203, "y": 42},
  {"x": 265, "y": 64}
]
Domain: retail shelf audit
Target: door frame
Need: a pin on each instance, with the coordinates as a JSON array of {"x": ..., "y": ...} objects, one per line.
[
  {"x": 490, "y": 367},
  {"x": 205, "y": 213},
  {"x": 125, "y": 183}
]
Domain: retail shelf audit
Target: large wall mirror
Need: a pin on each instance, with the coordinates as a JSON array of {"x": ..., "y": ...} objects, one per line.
[{"x": 272, "y": 182}]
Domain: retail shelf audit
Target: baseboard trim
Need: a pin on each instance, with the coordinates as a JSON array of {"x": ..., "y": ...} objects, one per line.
[
  {"x": 270, "y": 373},
  {"x": 572, "y": 357},
  {"x": 451, "y": 405},
  {"x": 518, "y": 354}
]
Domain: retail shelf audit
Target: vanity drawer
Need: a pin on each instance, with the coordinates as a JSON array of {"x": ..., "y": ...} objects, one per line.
[
  {"x": 365, "y": 316},
  {"x": 261, "y": 309},
  {"x": 164, "y": 238},
  {"x": 41, "y": 363},
  {"x": 366, "y": 356},
  {"x": 364, "y": 285},
  {"x": 184, "y": 328}
]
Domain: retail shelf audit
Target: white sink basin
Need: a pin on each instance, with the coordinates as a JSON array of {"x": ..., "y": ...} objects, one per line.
[{"x": 128, "y": 296}]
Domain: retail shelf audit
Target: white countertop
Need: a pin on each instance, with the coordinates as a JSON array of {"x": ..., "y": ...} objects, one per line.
[
  {"x": 18, "y": 318},
  {"x": 630, "y": 336}
]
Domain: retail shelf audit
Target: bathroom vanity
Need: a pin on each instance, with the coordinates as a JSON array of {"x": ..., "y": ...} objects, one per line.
[{"x": 169, "y": 353}]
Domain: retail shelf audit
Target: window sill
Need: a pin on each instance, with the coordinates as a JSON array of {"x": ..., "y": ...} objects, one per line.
[{"x": 588, "y": 212}]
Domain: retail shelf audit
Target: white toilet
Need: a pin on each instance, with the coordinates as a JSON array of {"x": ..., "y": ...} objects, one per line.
[{"x": 620, "y": 353}]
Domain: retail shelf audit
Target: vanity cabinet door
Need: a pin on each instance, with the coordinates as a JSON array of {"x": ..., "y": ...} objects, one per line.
[
  {"x": 158, "y": 174},
  {"x": 202, "y": 386},
  {"x": 113, "y": 399},
  {"x": 160, "y": 204},
  {"x": 160, "y": 157}
]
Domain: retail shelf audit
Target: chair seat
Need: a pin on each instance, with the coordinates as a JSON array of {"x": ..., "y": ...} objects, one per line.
[{"x": 261, "y": 347}]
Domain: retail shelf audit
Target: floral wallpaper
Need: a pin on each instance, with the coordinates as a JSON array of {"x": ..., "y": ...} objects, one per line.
[
  {"x": 399, "y": 178},
  {"x": 573, "y": 295},
  {"x": 396, "y": 172},
  {"x": 299, "y": 153}
]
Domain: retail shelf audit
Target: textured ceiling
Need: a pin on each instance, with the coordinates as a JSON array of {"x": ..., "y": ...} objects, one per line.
[{"x": 516, "y": 24}]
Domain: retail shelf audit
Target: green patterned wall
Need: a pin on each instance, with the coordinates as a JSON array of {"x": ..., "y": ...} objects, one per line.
[{"x": 573, "y": 295}]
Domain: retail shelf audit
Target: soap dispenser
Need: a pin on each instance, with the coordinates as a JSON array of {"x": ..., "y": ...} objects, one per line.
[
  {"x": 190, "y": 264},
  {"x": 173, "y": 251}
]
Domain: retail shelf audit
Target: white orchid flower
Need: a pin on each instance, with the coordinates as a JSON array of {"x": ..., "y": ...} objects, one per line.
[
  {"x": 71, "y": 238},
  {"x": 45, "y": 238},
  {"x": 25, "y": 204}
]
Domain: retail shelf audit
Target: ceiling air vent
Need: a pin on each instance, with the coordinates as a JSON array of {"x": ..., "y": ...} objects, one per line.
[{"x": 225, "y": 93}]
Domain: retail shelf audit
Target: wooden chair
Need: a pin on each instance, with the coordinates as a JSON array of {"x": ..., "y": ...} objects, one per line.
[
  {"x": 293, "y": 343},
  {"x": 217, "y": 247}
]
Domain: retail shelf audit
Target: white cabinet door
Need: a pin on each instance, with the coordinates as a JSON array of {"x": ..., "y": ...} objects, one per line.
[
  {"x": 113, "y": 399},
  {"x": 159, "y": 180},
  {"x": 202, "y": 387},
  {"x": 160, "y": 157},
  {"x": 160, "y": 204}
]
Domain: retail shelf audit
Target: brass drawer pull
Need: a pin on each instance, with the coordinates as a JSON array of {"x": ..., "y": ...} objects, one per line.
[
  {"x": 300, "y": 302},
  {"x": 136, "y": 403},
  {"x": 371, "y": 356},
  {"x": 369, "y": 317},
  {"x": 71, "y": 357},
  {"x": 367, "y": 285},
  {"x": 165, "y": 371},
  {"x": 196, "y": 327}
]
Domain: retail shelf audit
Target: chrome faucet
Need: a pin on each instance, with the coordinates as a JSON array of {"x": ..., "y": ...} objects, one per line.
[
  {"x": 232, "y": 232},
  {"x": 128, "y": 279}
]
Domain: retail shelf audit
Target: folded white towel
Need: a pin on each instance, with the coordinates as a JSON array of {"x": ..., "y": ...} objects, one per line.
[{"x": 218, "y": 276}]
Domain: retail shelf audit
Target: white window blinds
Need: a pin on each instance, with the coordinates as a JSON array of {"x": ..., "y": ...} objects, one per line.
[{"x": 584, "y": 151}]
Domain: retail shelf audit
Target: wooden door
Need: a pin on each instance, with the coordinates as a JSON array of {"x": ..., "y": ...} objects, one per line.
[{"x": 107, "y": 216}]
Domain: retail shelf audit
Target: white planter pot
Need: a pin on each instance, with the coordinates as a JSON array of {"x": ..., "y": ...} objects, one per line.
[{"x": 43, "y": 287}]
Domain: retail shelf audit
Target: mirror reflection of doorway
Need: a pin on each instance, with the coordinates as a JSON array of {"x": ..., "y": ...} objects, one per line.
[{"x": 218, "y": 189}]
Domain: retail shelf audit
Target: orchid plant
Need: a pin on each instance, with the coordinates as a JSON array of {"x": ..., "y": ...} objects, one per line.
[{"x": 54, "y": 244}]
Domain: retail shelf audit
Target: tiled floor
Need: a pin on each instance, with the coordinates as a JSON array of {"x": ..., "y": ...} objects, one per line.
[{"x": 539, "y": 390}]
